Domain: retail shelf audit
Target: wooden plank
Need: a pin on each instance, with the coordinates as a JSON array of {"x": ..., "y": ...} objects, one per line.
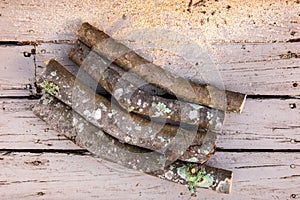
[
  {"x": 16, "y": 70},
  {"x": 19, "y": 92},
  {"x": 262, "y": 125},
  {"x": 250, "y": 70},
  {"x": 56, "y": 176},
  {"x": 213, "y": 21},
  {"x": 242, "y": 67},
  {"x": 21, "y": 129},
  {"x": 265, "y": 124},
  {"x": 250, "y": 66},
  {"x": 245, "y": 63},
  {"x": 250, "y": 74}
]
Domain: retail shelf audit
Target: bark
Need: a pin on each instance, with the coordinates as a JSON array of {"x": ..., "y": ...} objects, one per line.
[
  {"x": 61, "y": 117},
  {"x": 170, "y": 140},
  {"x": 129, "y": 60},
  {"x": 125, "y": 87},
  {"x": 64, "y": 120}
]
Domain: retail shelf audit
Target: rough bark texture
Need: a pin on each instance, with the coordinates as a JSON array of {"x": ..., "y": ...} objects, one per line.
[
  {"x": 170, "y": 140},
  {"x": 125, "y": 87},
  {"x": 129, "y": 60},
  {"x": 62, "y": 119}
]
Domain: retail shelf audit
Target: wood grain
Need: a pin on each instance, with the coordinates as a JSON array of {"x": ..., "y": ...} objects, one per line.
[
  {"x": 242, "y": 72},
  {"x": 207, "y": 21},
  {"x": 239, "y": 72},
  {"x": 21, "y": 129},
  {"x": 265, "y": 123},
  {"x": 243, "y": 41},
  {"x": 56, "y": 176},
  {"x": 261, "y": 126},
  {"x": 245, "y": 58},
  {"x": 15, "y": 70}
]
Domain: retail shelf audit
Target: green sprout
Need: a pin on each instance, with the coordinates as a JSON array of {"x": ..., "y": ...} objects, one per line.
[
  {"x": 195, "y": 177},
  {"x": 50, "y": 87}
]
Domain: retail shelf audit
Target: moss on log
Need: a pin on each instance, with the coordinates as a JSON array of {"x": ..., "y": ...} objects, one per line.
[
  {"x": 61, "y": 117},
  {"x": 172, "y": 141}
]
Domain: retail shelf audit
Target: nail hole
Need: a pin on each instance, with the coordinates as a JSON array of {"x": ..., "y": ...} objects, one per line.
[
  {"x": 293, "y": 196},
  {"x": 26, "y": 54},
  {"x": 33, "y": 51},
  {"x": 292, "y": 105},
  {"x": 293, "y": 33},
  {"x": 40, "y": 193},
  {"x": 293, "y": 141},
  {"x": 28, "y": 86},
  {"x": 43, "y": 51},
  {"x": 293, "y": 166},
  {"x": 295, "y": 84}
]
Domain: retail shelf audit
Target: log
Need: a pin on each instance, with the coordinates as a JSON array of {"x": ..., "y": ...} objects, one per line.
[
  {"x": 125, "y": 88},
  {"x": 129, "y": 60},
  {"x": 64, "y": 120},
  {"x": 170, "y": 140},
  {"x": 61, "y": 117}
]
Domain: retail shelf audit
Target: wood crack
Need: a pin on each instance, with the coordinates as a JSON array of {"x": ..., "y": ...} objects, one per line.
[
  {"x": 258, "y": 150},
  {"x": 34, "y": 42},
  {"x": 294, "y": 40},
  {"x": 258, "y": 166},
  {"x": 38, "y": 151},
  {"x": 292, "y": 176},
  {"x": 282, "y": 97}
]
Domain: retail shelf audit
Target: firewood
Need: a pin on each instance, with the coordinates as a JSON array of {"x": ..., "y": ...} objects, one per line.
[
  {"x": 170, "y": 140},
  {"x": 129, "y": 60},
  {"x": 61, "y": 117},
  {"x": 125, "y": 89}
]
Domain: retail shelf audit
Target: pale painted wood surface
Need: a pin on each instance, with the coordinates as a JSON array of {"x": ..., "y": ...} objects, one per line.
[
  {"x": 261, "y": 126},
  {"x": 260, "y": 21},
  {"x": 62, "y": 176},
  {"x": 248, "y": 43}
]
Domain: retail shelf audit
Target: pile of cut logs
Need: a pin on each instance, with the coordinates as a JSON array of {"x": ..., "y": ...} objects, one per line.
[{"x": 144, "y": 117}]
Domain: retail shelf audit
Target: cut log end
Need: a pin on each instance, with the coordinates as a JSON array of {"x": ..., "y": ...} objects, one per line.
[{"x": 236, "y": 103}]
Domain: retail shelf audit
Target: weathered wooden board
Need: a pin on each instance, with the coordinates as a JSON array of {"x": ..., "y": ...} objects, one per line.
[
  {"x": 21, "y": 129},
  {"x": 265, "y": 123},
  {"x": 251, "y": 45},
  {"x": 244, "y": 67},
  {"x": 245, "y": 72},
  {"x": 57, "y": 176},
  {"x": 16, "y": 71},
  {"x": 223, "y": 21},
  {"x": 261, "y": 126}
]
